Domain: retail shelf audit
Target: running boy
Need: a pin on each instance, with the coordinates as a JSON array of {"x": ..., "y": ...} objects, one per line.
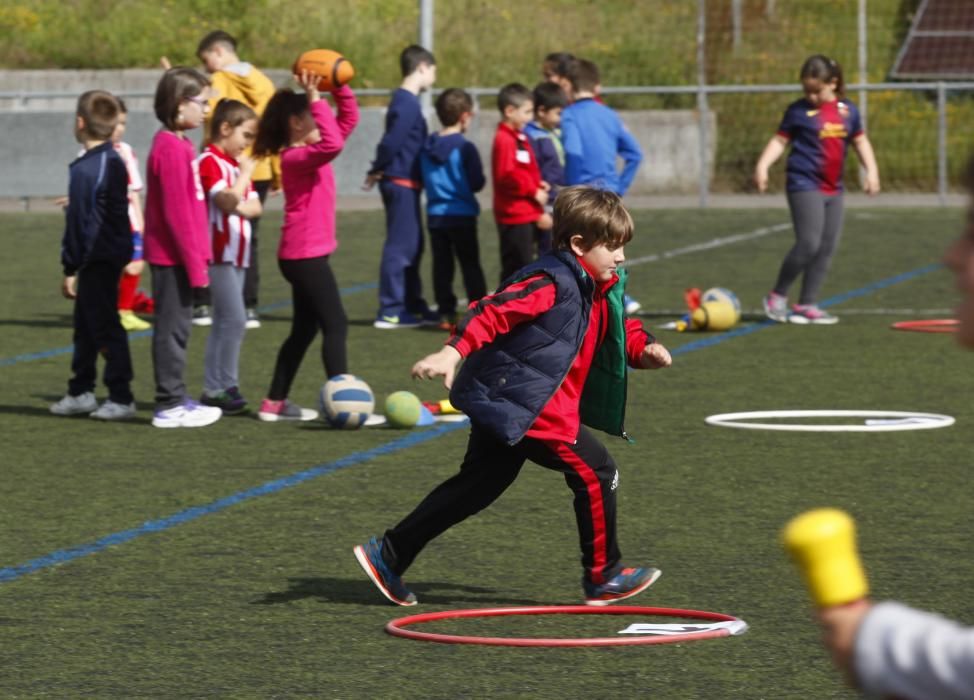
[
  {"x": 519, "y": 192},
  {"x": 396, "y": 169},
  {"x": 452, "y": 174},
  {"x": 545, "y": 354},
  {"x": 594, "y": 136},
  {"x": 97, "y": 245}
]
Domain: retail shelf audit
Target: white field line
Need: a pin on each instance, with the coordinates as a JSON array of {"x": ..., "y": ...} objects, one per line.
[{"x": 708, "y": 245}]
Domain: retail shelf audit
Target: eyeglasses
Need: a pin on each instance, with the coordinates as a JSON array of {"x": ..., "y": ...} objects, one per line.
[{"x": 198, "y": 100}]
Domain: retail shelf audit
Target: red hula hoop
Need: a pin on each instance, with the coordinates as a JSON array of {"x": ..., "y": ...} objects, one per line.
[
  {"x": 397, "y": 627},
  {"x": 935, "y": 325}
]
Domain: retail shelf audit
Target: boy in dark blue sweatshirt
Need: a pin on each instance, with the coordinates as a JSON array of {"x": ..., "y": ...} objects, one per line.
[
  {"x": 545, "y": 135},
  {"x": 452, "y": 173},
  {"x": 396, "y": 169},
  {"x": 96, "y": 246}
]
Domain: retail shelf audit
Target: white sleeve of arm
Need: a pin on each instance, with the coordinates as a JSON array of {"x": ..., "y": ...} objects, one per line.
[{"x": 912, "y": 654}]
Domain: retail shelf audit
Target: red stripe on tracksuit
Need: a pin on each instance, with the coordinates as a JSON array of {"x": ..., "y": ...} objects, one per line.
[{"x": 596, "y": 507}]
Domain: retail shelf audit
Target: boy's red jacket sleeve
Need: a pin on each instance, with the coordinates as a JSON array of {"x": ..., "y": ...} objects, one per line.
[
  {"x": 637, "y": 338},
  {"x": 500, "y": 313}
]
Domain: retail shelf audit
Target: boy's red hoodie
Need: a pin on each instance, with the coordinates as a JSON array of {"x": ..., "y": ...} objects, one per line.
[{"x": 516, "y": 177}]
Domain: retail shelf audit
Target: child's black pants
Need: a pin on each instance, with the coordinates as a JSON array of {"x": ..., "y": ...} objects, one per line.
[{"x": 489, "y": 467}]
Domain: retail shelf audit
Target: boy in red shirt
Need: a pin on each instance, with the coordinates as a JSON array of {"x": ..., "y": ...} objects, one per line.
[
  {"x": 519, "y": 192},
  {"x": 545, "y": 354}
]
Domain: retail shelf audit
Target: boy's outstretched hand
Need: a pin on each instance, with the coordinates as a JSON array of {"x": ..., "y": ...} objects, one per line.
[
  {"x": 439, "y": 364},
  {"x": 655, "y": 356}
]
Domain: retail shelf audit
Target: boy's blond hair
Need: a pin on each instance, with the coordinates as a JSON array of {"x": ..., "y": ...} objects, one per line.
[
  {"x": 598, "y": 216},
  {"x": 99, "y": 111}
]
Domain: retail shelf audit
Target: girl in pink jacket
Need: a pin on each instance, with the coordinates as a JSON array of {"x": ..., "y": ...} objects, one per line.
[
  {"x": 177, "y": 245},
  {"x": 308, "y": 136}
]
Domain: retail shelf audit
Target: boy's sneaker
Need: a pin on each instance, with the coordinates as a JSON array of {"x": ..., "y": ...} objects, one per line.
[
  {"x": 75, "y": 405},
  {"x": 448, "y": 322},
  {"x": 625, "y": 584},
  {"x": 630, "y": 305},
  {"x": 401, "y": 320},
  {"x": 272, "y": 411},
  {"x": 201, "y": 316},
  {"x": 231, "y": 402},
  {"x": 114, "y": 411},
  {"x": 188, "y": 414},
  {"x": 131, "y": 322},
  {"x": 776, "y": 307},
  {"x": 429, "y": 318},
  {"x": 253, "y": 320},
  {"x": 369, "y": 557},
  {"x": 803, "y": 314}
]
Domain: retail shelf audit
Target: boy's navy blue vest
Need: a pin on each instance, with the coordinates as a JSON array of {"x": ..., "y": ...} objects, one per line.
[{"x": 504, "y": 386}]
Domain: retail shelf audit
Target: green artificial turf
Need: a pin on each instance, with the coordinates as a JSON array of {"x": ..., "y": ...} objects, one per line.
[{"x": 264, "y": 598}]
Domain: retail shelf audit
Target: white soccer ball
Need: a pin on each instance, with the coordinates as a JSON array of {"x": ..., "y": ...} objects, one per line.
[{"x": 346, "y": 401}]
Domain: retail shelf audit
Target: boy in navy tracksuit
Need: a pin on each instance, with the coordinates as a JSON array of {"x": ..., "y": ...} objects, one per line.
[
  {"x": 396, "y": 169},
  {"x": 452, "y": 174},
  {"x": 96, "y": 246},
  {"x": 545, "y": 135},
  {"x": 546, "y": 353}
]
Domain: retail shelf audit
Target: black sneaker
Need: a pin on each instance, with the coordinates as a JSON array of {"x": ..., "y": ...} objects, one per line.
[
  {"x": 369, "y": 557},
  {"x": 229, "y": 401},
  {"x": 625, "y": 584},
  {"x": 201, "y": 316}
]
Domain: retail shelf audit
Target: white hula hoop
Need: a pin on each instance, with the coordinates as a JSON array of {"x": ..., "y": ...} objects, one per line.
[{"x": 876, "y": 421}]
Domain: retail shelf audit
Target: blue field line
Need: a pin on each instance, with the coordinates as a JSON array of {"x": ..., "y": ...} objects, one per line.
[
  {"x": 65, "y": 555},
  {"x": 54, "y": 352}
]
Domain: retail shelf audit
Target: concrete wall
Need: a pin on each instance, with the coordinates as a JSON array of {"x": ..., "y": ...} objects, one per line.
[{"x": 36, "y": 140}]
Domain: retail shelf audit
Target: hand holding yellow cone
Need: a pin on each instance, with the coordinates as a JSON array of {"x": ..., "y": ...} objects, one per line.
[{"x": 823, "y": 544}]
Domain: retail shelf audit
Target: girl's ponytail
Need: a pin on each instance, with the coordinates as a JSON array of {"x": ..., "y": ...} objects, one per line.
[
  {"x": 274, "y": 131},
  {"x": 826, "y": 69}
]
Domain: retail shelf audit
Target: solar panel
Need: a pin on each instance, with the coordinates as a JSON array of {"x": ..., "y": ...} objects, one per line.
[{"x": 940, "y": 43}]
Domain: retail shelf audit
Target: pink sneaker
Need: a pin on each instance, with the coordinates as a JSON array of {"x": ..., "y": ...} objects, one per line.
[
  {"x": 776, "y": 307},
  {"x": 810, "y": 313},
  {"x": 272, "y": 411}
]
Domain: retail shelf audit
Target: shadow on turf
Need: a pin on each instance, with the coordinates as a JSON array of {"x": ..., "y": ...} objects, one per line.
[
  {"x": 52, "y": 321},
  {"x": 363, "y": 592}
]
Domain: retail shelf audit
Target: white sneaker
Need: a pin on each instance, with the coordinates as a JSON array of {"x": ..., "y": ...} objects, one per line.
[
  {"x": 631, "y": 306},
  {"x": 188, "y": 414},
  {"x": 114, "y": 411},
  {"x": 75, "y": 405}
]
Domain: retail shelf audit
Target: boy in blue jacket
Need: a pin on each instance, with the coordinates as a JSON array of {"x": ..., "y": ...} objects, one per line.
[
  {"x": 396, "y": 170},
  {"x": 594, "y": 136},
  {"x": 452, "y": 173},
  {"x": 96, "y": 246},
  {"x": 546, "y": 356}
]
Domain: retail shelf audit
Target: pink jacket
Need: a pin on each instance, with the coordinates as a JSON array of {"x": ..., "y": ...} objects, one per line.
[
  {"x": 309, "y": 182},
  {"x": 176, "y": 229}
]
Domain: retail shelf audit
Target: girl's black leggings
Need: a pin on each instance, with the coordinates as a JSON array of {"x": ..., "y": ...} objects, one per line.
[{"x": 317, "y": 305}]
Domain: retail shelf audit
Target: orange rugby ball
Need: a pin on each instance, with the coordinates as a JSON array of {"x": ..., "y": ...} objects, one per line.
[{"x": 334, "y": 69}]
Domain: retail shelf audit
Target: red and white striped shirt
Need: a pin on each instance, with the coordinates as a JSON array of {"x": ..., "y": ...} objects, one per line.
[{"x": 229, "y": 233}]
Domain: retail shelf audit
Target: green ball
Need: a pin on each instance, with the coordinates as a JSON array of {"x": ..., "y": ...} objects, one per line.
[{"x": 403, "y": 409}]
